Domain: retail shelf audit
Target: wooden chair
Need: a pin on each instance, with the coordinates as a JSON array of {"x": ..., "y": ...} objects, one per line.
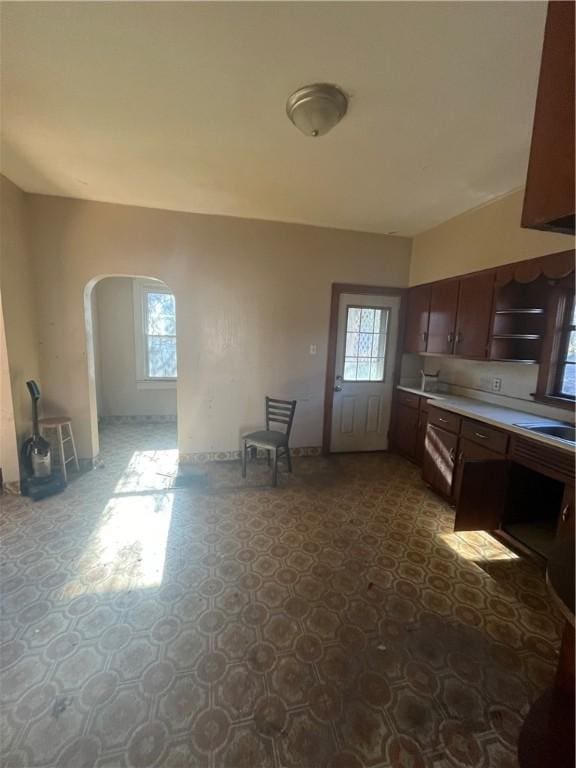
[{"x": 273, "y": 441}]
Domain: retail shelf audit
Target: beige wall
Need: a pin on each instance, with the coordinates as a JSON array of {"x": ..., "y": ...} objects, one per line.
[
  {"x": 8, "y": 445},
  {"x": 251, "y": 297},
  {"x": 17, "y": 281},
  {"x": 483, "y": 237},
  {"x": 116, "y": 375}
]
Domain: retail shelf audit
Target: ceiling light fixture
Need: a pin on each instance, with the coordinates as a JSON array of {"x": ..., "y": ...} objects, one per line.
[{"x": 316, "y": 109}]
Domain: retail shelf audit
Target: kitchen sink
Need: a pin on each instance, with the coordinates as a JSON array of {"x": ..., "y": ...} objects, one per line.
[{"x": 563, "y": 432}]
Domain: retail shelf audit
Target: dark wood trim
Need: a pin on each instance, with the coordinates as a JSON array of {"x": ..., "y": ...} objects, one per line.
[{"x": 362, "y": 290}]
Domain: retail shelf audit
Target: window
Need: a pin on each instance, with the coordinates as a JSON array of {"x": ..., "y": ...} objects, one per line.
[
  {"x": 566, "y": 373},
  {"x": 366, "y": 336},
  {"x": 155, "y": 322},
  {"x": 557, "y": 373}
]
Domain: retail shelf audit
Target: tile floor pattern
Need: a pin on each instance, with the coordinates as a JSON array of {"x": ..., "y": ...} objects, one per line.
[{"x": 333, "y": 621}]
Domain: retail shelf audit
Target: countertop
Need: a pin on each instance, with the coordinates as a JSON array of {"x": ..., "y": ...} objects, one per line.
[{"x": 498, "y": 416}]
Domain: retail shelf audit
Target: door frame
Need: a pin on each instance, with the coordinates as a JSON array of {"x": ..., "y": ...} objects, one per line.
[{"x": 337, "y": 290}]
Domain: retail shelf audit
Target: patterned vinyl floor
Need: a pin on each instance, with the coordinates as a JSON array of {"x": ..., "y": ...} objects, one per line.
[{"x": 334, "y": 621}]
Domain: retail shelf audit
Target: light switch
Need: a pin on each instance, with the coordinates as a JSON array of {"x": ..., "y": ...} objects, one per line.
[{"x": 313, "y": 349}]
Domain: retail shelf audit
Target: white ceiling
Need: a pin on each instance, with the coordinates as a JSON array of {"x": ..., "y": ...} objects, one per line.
[{"x": 181, "y": 106}]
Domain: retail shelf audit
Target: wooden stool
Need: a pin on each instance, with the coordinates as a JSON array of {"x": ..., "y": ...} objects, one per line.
[{"x": 62, "y": 427}]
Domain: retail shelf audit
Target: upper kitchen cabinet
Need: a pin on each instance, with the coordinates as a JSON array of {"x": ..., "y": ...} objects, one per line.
[
  {"x": 442, "y": 323},
  {"x": 549, "y": 197},
  {"x": 417, "y": 314},
  {"x": 474, "y": 315}
]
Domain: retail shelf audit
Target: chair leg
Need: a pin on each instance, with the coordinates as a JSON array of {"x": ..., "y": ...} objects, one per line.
[
  {"x": 288, "y": 458},
  {"x": 275, "y": 469},
  {"x": 244, "y": 452},
  {"x": 268, "y": 459}
]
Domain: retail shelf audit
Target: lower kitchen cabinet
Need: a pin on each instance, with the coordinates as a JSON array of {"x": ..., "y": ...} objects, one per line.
[
  {"x": 512, "y": 485},
  {"x": 439, "y": 460},
  {"x": 421, "y": 431},
  {"x": 406, "y": 430}
]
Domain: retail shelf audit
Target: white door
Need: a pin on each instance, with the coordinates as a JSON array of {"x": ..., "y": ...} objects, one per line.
[{"x": 364, "y": 371}]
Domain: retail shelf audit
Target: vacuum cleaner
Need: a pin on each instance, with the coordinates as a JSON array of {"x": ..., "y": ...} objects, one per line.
[{"x": 38, "y": 479}]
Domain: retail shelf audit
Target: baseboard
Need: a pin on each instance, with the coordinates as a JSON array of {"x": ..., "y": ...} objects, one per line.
[
  {"x": 203, "y": 458},
  {"x": 131, "y": 419}
]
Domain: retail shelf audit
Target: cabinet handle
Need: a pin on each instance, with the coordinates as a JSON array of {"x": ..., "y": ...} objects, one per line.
[
  {"x": 452, "y": 455},
  {"x": 424, "y": 336},
  {"x": 481, "y": 436},
  {"x": 564, "y": 513},
  {"x": 444, "y": 421},
  {"x": 460, "y": 457},
  {"x": 450, "y": 339},
  {"x": 459, "y": 338}
]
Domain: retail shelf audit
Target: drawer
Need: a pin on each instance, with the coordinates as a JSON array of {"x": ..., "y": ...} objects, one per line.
[
  {"x": 482, "y": 434},
  {"x": 408, "y": 398},
  {"x": 443, "y": 419}
]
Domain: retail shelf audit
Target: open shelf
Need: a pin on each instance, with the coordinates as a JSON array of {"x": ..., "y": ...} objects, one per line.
[
  {"x": 526, "y": 311},
  {"x": 513, "y": 360},
  {"x": 519, "y": 322},
  {"x": 529, "y": 336}
]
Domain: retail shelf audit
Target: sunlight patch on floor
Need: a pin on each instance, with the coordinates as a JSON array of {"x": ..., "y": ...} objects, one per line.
[
  {"x": 128, "y": 549},
  {"x": 149, "y": 470},
  {"x": 478, "y": 545}
]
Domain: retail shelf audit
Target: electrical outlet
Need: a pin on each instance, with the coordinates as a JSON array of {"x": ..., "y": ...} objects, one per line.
[
  {"x": 313, "y": 349},
  {"x": 496, "y": 384}
]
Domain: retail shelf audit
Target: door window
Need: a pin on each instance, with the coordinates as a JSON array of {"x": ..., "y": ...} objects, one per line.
[{"x": 366, "y": 337}]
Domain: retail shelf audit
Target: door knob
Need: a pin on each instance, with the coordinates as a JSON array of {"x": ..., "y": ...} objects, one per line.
[{"x": 337, "y": 389}]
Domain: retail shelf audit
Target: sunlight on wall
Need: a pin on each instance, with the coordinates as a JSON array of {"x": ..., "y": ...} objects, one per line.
[{"x": 478, "y": 545}]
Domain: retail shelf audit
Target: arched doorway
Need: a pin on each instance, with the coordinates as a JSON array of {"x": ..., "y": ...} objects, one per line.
[{"x": 132, "y": 371}]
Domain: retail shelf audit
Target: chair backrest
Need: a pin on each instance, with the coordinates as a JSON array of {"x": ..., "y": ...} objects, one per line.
[{"x": 280, "y": 412}]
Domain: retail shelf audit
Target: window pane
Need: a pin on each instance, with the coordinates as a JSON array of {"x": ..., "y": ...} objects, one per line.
[
  {"x": 351, "y": 344},
  {"x": 376, "y": 341},
  {"x": 569, "y": 380},
  {"x": 365, "y": 345},
  {"x": 367, "y": 321},
  {"x": 350, "y": 364},
  {"x": 384, "y": 317},
  {"x": 160, "y": 314},
  {"x": 363, "y": 369},
  {"x": 353, "y": 322},
  {"x": 571, "y": 351},
  {"x": 162, "y": 357},
  {"x": 377, "y": 369}
]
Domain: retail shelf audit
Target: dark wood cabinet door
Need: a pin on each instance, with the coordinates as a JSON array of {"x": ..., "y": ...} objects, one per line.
[
  {"x": 474, "y": 315},
  {"x": 566, "y": 521},
  {"x": 442, "y": 324},
  {"x": 405, "y": 430},
  {"x": 421, "y": 435},
  {"x": 468, "y": 450},
  {"x": 417, "y": 314},
  {"x": 549, "y": 196},
  {"x": 483, "y": 484},
  {"x": 439, "y": 459}
]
